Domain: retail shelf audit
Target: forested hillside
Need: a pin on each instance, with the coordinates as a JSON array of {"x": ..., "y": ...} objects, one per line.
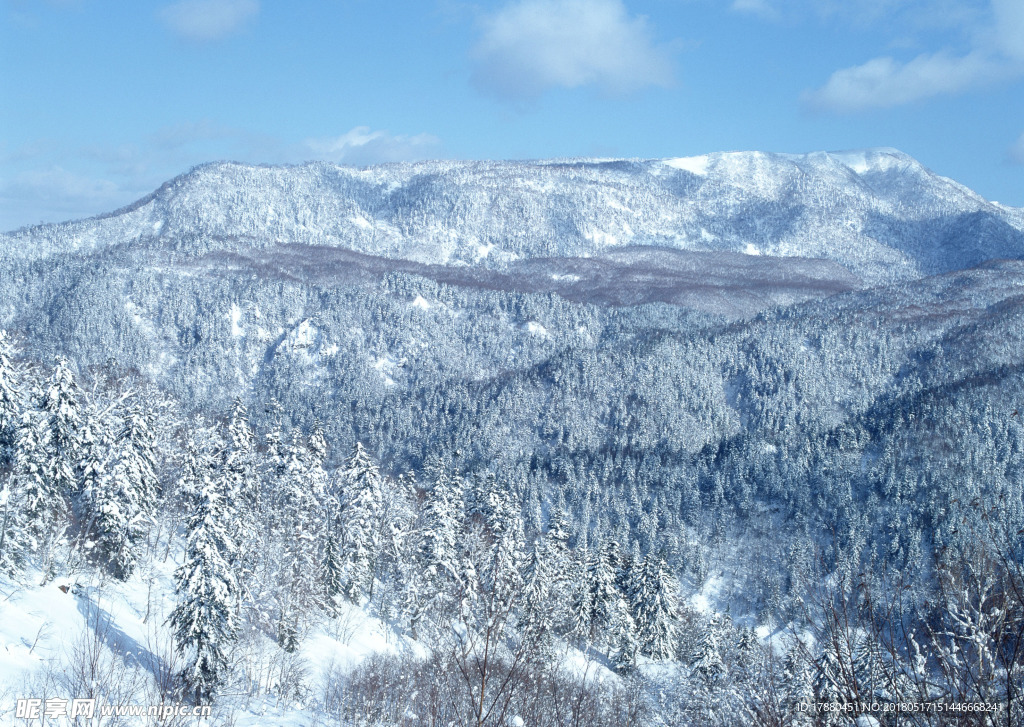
[{"x": 568, "y": 480}]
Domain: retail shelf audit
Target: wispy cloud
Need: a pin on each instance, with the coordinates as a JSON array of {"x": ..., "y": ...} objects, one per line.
[
  {"x": 54, "y": 193},
  {"x": 1009, "y": 27},
  {"x": 207, "y": 20},
  {"x": 885, "y": 82},
  {"x": 1017, "y": 151},
  {"x": 361, "y": 146},
  {"x": 997, "y": 54},
  {"x": 530, "y": 46},
  {"x": 51, "y": 181},
  {"x": 764, "y": 8}
]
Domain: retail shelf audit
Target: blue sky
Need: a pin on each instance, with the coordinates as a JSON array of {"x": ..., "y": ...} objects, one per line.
[{"x": 101, "y": 101}]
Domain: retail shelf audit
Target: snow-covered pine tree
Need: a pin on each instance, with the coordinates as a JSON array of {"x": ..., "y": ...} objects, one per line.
[
  {"x": 435, "y": 573},
  {"x": 580, "y": 621},
  {"x": 123, "y": 500},
  {"x": 39, "y": 508},
  {"x": 361, "y": 515},
  {"x": 602, "y": 572},
  {"x": 798, "y": 686},
  {"x": 244, "y": 489},
  {"x": 397, "y": 541},
  {"x": 14, "y": 546},
  {"x": 61, "y": 408},
  {"x": 504, "y": 524},
  {"x": 333, "y": 570},
  {"x": 25, "y": 518},
  {"x": 829, "y": 680},
  {"x": 10, "y": 399},
  {"x": 654, "y": 609},
  {"x": 442, "y": 522},
  {"x": 559, "y": 529},
  {"x": 204, "y": 622},
  {"x": 539, "y": 606},
  {"x": 611, "y": 624},
  {"x": 706, "y": 664},
  {"x": 300, "y": 585}
]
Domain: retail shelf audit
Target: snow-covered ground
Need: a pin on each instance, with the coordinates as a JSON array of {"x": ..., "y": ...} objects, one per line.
[{"x": 79, "y": 627}]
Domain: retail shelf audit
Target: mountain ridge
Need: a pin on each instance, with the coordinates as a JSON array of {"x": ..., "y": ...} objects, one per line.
[{"x": 878, "y": 212}]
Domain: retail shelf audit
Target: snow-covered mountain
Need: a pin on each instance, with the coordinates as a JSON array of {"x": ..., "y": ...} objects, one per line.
[
  {"x": 879, "y": 213},
  {"x": 773, "y": 371}
]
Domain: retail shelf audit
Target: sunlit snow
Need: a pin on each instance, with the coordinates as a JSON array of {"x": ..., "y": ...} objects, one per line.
[{"x": 694, "y": 165}]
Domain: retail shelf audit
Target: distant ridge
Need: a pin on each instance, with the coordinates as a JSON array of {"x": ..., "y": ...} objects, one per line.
[{"x": 877, "y": 212}]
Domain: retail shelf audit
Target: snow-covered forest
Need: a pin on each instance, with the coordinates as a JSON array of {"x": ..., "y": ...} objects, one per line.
[{"x": 309, "y": 481}]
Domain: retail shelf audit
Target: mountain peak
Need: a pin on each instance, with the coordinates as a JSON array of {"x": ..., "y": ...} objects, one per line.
[{"x": 877, "y": 212}]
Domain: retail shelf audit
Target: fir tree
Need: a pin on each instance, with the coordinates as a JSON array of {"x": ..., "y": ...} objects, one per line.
[
  {"x": 244, "y": 490},
  {"x": 205, "y": 620},
  {"x": 799, "y": 689},
  {"x": 361, "y": 511},
  {"x": 300, "y": 586},
  {"x": 10, "y": 400},
  {"x": 32, "y": 490},
  {"x": 61, "y": 409},
  {"x": 707, "y": 664},
  {"x": 442, "y": 521},
  {"x": 652, "y": 601},
  {"x": 123, "y": 499}
]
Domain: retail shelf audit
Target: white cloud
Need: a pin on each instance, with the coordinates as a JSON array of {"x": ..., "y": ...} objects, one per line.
[
  {"x": 50, "y": 181},
  {"x": 755, "y": 7},
  {"x": 362, "y": 147},
  {"x": 1009, "y": 24},
  {"x": 205, "y": 20},
  {"x": 57, "y": 183},
  {"x": 885, "y": 82},
  {"x": 1017, "y": 150},
  {"x": 997, "y": 54},
  {"x": 53, "y": 194},
  {"x": 532, "y": 45}
]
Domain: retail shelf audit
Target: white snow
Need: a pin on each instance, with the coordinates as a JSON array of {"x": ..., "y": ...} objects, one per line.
[
  {"x": 694, "y": 165},
  {"x": 361, "y": 222},
  {"x": 236, "y": 317},
  {"x": 482, "y": 251},
  {"x": 751, "y": 249},
  {"x": 536, "y": 329},
  {"x": 303, "y": 335},
  {"x": 567, "y": 277},
  {"x": 421, "y": 302},
  {"x": 41, "y": 627},
  {"x": 599, "y": 237}
]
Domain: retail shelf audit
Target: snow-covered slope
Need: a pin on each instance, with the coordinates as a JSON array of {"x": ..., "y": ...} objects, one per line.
[{"x": 879, "y": 213}]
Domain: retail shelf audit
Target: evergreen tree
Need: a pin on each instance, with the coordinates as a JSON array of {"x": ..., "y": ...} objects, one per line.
[
  {"x": 707, "y": 664},
  {"x": 539, "y": 604},
  {"x": 798, "y": 684},
  {"x": 580, "y": 621},
  {"x": 504, "y": 525},
  {"x": 122, "y": 502},
  {"x": 442, "y": 520},
  {"x": 244, "y": 490},
  {"x": 61, "y": 409},
  {"x": 361, "y": 515},
  {"x": 436, "y": 572},
  {"x": 653, "y": 605},
  {"x": 10, "y": 399},
  {"x": 32, "y": 490},
  {"x": 204, "y": 622},
  {"x": 300, "y": 584}
]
